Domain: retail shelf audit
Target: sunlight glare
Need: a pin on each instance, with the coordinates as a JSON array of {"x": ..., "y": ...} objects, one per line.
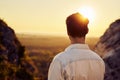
[{"x": 87, "y": 12}]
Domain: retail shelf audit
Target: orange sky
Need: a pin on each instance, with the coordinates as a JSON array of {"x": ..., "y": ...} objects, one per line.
[{"x": 48, "y": 16}]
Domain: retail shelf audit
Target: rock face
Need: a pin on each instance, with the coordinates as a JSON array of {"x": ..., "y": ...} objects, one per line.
[
  {"x": 109, "y": 48},
  {"x": 13, "y": 65},
  {"x": 11, "y": 47}
]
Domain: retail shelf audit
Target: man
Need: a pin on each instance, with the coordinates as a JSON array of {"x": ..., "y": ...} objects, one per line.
[{"x": 77, "y": 62}]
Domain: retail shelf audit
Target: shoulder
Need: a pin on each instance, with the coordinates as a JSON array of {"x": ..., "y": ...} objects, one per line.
[
  {"x": 59, "y": 56},
  {"x": 95, "y": 55},
  {"x": 62, "y": 58}
]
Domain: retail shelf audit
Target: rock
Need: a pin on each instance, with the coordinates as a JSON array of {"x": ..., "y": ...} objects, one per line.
[
  {"x": 12, "y": 54},
  {"x": 109, "y": 48}
]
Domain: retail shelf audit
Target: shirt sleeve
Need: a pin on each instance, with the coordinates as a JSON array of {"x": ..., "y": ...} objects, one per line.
[{"x": 55, "y": 70}]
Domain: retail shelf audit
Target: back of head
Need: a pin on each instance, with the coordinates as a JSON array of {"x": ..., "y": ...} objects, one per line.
[{"x": 77, "y": 25}]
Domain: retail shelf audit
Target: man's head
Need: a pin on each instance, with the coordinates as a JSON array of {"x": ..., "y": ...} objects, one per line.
[{"x": 77, "y": 25}]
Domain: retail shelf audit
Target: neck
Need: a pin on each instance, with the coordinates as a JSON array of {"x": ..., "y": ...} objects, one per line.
[{"x": 80, "y": 40}]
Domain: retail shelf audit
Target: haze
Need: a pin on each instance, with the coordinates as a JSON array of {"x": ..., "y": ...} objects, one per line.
[{"x": 48, "y": 16}]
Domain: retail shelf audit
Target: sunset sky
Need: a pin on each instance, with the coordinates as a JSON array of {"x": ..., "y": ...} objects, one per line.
[{"x": 48, "y": 16}]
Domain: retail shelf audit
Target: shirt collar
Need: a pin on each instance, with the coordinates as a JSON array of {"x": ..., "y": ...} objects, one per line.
[{"x": 77, "y": 46}]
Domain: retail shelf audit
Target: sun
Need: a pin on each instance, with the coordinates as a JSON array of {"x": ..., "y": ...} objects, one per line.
[{"x": 87, "y": 12}]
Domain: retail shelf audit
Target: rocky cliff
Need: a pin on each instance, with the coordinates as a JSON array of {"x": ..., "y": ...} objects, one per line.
[
  {"x": 109, "y": 48},
  {"x": 13, "y": 63}
]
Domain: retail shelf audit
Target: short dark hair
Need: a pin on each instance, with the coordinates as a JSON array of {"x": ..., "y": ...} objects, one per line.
[{"x": 77, "y": 25}]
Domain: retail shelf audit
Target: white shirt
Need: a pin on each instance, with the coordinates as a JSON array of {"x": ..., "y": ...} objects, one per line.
[{"x": 77, "y": 62}]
